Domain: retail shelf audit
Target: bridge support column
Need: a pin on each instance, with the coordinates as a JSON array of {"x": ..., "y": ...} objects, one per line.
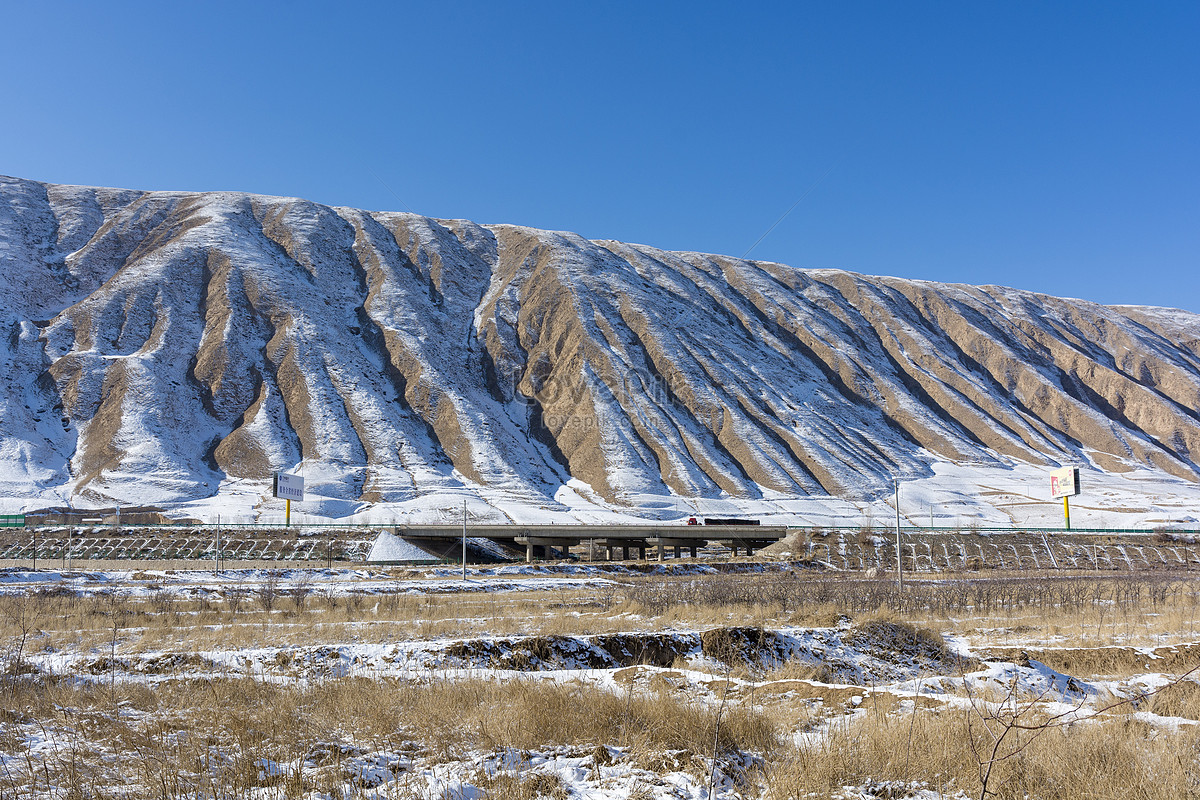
[{"x": 529, "y": 553}]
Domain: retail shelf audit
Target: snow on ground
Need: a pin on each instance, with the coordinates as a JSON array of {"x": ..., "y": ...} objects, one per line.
[
  {"x": 955, "y": 495},
  {"x": 191, "y": 584},
  {"x": 389, "y": 547},
  {"x": 859, "y": 660}
]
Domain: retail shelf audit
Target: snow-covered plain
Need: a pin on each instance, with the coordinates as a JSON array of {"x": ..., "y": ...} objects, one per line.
[{"x": 954, "y": 495}]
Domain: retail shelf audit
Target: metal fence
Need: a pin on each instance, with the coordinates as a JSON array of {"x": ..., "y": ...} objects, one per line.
[{"x": 20, "y": 521}]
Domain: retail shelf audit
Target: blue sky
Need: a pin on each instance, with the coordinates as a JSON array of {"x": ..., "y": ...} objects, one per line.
[{"x": 1048, "y": 146}]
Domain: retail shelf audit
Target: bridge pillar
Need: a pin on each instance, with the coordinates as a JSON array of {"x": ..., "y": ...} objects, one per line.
[{"x": 529, "y": 552}]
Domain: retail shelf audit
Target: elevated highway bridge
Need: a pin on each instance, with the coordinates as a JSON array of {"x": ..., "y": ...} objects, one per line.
[{"x": 540, "y": 541}]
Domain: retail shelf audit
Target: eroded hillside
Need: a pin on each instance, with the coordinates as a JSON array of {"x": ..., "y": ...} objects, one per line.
[{"x": 183, "y": 339}]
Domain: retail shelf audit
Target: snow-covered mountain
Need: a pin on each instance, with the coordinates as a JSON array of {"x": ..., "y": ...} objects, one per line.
[{"x": 160, "y": 345}]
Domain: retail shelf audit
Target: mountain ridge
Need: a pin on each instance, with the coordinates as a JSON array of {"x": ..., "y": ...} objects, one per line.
[{"x": 181, "y": 340}]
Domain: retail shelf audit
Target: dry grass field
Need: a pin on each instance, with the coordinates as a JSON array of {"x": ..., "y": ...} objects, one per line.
[{"x": 785, "y": 683}]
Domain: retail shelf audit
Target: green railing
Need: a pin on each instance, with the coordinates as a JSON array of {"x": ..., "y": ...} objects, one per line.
[
  {"x": 12, "y": 520},
  {"x": 883, "y": 529}
]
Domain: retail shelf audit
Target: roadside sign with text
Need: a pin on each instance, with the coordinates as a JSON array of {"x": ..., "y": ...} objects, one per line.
[
  {"x": 289, "y": 487},
  {"x": 1064, "y": 482}
]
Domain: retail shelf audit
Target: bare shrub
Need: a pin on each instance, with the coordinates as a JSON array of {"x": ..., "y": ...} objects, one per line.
[
  {"x": 268, "y": 591},
  {"x": 300, "y": 590},
  {"x": 797, "y": 591},
  {"x": 162, "y": 602},
  {"x": 19, "y": 613},
  {"x": 235, "y": 598}
]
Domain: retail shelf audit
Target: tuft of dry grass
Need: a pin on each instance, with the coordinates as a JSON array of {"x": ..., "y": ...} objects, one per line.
[
  {"x": 1181, "y": 699},
  {"x": 528, "y": 786},
  {"x": 529, "y": 714},
  {"x": 241, "y": 722},
  {"x": 884, "y": 632},
  {"x": 1116, "y": 759}
]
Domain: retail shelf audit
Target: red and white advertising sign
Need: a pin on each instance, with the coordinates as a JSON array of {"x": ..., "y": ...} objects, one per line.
[{"x": 1064, "y": 482}]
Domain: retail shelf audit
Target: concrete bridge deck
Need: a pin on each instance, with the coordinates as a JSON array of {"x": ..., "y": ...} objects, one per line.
[{"x": 541, "y": 540}]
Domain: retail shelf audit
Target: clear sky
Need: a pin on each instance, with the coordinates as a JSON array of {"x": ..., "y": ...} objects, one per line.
[{"x": 1051, "y": 146}]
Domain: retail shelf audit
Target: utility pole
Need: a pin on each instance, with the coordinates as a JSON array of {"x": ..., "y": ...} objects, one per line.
[
  {"x": 899, "y": 552},
  {"x": 464, "y": 540},
  {"x": 217, "y": 552}
]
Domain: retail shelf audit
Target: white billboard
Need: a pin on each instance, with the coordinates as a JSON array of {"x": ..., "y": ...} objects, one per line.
[
  {"x": 1064, "y": 482},
  {"x": 289, "y": 487}
]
